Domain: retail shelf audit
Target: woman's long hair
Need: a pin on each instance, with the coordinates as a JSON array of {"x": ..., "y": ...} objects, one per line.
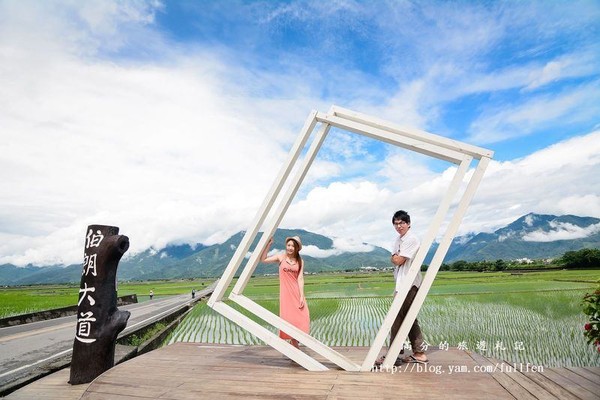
[{"x": 297, "y": 255}]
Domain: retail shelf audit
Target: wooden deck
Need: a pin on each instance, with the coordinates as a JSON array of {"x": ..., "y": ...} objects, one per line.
[{"x": 196, "y": 371}]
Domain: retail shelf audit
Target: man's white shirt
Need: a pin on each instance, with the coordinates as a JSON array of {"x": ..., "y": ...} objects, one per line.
[{"x": 406, "y": 246}]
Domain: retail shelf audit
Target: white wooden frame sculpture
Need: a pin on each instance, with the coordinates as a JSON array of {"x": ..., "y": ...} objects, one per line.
[{"x": 419, "y": 141}]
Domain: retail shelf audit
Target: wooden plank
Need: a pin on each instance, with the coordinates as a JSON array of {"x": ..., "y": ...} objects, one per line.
[
  {"x": 220, "y": 395},
  {"x": 412, "y": 132},
  {"x": 528, "y": 384},
  {"x": 578, "y": 379},
  {"x": 290, "y": 389},
  {"x": 593, "y": 370},
  {"x": 191, "y": 371},
  {"x": 239, "y": 380},
  {"x": 425, "y": 386},
  {"x": 54, "y": 386},
  {"x": 590, "y": 376},
  {"x": 516, "y": 390},
  {"x": 567, "y": 384},
  {"x": 551, "y": 386},
  {"x": 387, "y": 136},
  {"x": 537, "y": 391},
  {"x": 134, "y": 388}
]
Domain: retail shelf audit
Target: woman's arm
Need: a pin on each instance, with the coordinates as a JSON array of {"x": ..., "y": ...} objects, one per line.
[
  {"x": 273, "y": 258},
  {"x": 301, "y": 285}
]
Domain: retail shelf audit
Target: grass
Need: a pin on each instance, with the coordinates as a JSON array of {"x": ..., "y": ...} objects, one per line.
[
  {"x": 16, "y": 301},
  {"x": 28, "y": 299},
  {"x": 456, "y": 283},
  {"x": 135, "y": 340}
]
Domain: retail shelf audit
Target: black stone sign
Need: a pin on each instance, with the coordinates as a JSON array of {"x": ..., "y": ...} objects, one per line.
[{"x": 98, "y": 319}]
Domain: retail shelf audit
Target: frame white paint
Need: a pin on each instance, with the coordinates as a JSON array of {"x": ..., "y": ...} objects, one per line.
[{"x": 419, "y": 141}]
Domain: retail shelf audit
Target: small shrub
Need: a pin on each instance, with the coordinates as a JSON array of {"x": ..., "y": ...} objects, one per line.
[
  {"x": 135, "y": 340},
  {"x": 591, "y": 307}
]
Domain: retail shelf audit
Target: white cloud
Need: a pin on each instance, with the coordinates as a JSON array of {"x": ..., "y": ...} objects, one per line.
[
  {"x": 168, "y": 152},
  {"x": 551, "y": 72},
  {"x": 560, "y": 179},
  {"x": 154, "y": 143},
  {"x": 507, "y": 121},
  {"x": 104, "y": 120},
  {"x": 562, "y": 231},
  {"x": 579, "y": 204},
  {"x": 526, "y": 76},
  {"x": 529, "y": 220},
  {"x": 340, "y": 245},
  {"x": 52, "y": 28}
]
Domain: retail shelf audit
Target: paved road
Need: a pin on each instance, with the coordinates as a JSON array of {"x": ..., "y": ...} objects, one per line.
[{"x": 29, "y": 347}]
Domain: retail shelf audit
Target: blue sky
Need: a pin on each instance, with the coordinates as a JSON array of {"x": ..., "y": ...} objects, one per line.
[{"x": 171, "y": 119}]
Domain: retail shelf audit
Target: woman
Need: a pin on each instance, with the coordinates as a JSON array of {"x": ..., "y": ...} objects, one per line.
[{"x": 292, "y": 304}]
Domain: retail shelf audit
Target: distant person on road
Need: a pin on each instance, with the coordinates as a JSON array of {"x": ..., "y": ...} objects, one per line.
[
  {"x": 151, "y": 294},
  {"x": 403, "y": 253},
  {"x": 193, "y": 293},
  {"x": 292, "y": 303}
]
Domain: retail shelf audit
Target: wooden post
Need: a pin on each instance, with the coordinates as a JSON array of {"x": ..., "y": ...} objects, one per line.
[{"x": 98, "y": 319}]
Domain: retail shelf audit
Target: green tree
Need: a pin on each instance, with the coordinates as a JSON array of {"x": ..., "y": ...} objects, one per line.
[
  {"x": 459, "y": 265},
  {"x": 499, "y": 265},
  {"x": 584, "y": 258}
]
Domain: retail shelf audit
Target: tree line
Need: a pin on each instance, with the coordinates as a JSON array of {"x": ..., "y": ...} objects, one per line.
[{"x": 580, "y": 259}]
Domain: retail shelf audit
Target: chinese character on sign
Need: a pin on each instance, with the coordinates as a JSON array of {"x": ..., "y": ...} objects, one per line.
[
  {"x": 424, "y": 345},
  {"x": 84, "y": 327},
  {"x": 462, "y": 345},
  {"x": 89, "y": 264},
  {"x": 481, "y": 345},
  {"x": 444, "y": 345},
  {"x": 84, "y": 291},
  {"x": 407, "y": 346},
  {"x": 93, "y": 240},
  {"x": 519, "y": 346},
  {"x": 499, "y": 346}
]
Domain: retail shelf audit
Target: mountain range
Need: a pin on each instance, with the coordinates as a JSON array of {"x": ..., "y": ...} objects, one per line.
[{"x": 532, "y": 236}]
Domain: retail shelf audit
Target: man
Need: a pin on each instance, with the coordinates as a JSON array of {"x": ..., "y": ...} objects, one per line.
[{"x": 404, "y": 251}]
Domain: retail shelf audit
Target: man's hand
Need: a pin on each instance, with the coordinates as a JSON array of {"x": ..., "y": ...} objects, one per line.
[{"x": 398, "y": 260}]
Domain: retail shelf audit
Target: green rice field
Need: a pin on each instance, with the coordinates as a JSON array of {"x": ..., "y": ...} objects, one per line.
[
  {"x": 24, "y": 300},
  {"x": 530, "y": 317}
]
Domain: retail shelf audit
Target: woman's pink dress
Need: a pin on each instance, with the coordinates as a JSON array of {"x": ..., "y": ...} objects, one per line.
[{"x": 289, "y": 299}]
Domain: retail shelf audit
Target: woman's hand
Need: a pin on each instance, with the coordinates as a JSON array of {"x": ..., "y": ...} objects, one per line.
[
  {"x": 265, "y": 251},
  {"x": 302, "y": 302}
]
